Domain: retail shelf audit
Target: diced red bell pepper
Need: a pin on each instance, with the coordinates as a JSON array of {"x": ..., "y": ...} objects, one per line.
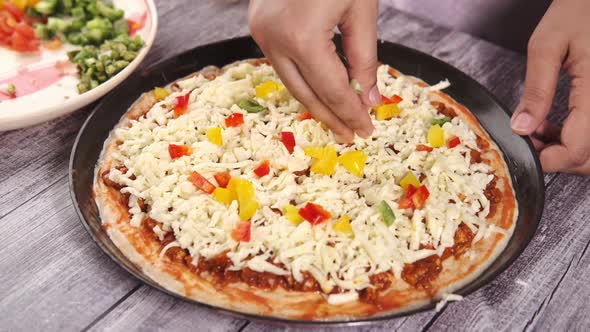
[
  {"x": 305, "y": 116},
  {"x": 314, "y": 213},
  {"x": 420, "y": 197},
  {"x": 222, "y": 179},
  {"x": 288, "y": 140},
  {"x": 200, "y": 182},
  {"x": 395, "y": 99},
  {"x": 262, "y": 169},
  {"x": 422, "y": 147},
  {"x": 177, "y": 151},
  {"x": 453, "y": 142},
  {"x": 242, "y": 232},
  {"x": 181, "y": 105},
  {"x": 406, "y": 202},
  {"x": 234, "y": 120}
]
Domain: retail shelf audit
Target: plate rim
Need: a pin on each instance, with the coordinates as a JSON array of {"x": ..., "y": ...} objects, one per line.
[
  {"x": 362, "y": 321},
  {"x": 17, "y": 120}
]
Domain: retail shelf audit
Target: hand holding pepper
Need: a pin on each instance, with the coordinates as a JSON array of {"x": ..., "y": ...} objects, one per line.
[{"x": 296, "y": 35}]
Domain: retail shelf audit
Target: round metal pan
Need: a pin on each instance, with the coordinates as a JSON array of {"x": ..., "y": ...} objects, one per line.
[{"x": 518, "y": 151}]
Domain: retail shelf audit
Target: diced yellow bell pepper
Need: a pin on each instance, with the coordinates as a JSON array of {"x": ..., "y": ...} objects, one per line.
[
  {"x": 409, "y": 179},
  {"x": 325, "y": 161},
  {"x": 214, "y": 135},
  {"x": 342, "y": 225},
  {"x": 263, "y": 90},
  {"x": 313, "y": 151},
  {"x": 223, "y": 195},
  {"x": 292, "y": 214},
  {"x": 247, "y": 209},
  {"x": 436, "y": 136},
  {"x": 243, "y": 191},
  {"x": 161, "y": 93},
  {"x": 354, "y": 162},
  {"x": 386, "y": 111}
]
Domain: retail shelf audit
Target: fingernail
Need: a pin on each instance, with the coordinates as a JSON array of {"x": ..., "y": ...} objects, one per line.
[
  {"x": 374, "y": 96},
  {"x": 523, "y": 121},
  {"x": 365, "y": 133},
  {"x": 343, "y": 139}
]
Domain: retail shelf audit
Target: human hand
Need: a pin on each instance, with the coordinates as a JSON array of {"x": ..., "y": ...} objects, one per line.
[
  {"x": 562, "y": 37},
  {"x": 296, "y": 36}
]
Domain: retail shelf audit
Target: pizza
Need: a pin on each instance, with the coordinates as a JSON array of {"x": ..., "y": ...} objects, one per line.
[{"x": 224, "y": 189}]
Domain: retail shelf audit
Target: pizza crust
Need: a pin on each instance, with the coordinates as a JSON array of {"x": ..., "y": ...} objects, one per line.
[{"x": 238, "y": 296}]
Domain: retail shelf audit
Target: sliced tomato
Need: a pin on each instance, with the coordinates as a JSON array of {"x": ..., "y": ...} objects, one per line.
[
  {"x": 314, "y": 213},
  {"x": 262, "y": 169},
  {"x": 177, "y": 151},
  {"x": 25, "y": 30},
  {"x": 13, "y": 10},
  {"x": 201, "y": 182},
  {"x": 422, "y": 147},
  {"x": 222, "y": 179},
  {"x": 406, "y": 202},
  {"x": 395, "y": 99},
  {"x": 242, "y": 232},
  {"x": 288, "y": 140},
  {"x": 234, "y": 120},
  {"x": 181, "y": 105},
  {"x": 305, "y": 116},
  {"x": 420, "y": 197},
  {"x": 453, "y": 142},
  {"x": 7, "y": 23}
]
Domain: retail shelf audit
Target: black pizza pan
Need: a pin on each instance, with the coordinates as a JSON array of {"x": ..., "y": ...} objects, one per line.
[{"x": 518, "y": 151}]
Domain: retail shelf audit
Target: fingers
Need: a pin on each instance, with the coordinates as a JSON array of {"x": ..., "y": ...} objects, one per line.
[
  {"x": 302, "y": 92},
  {"x": 548, "y": 132},
  {"x": 359, "y": 39},
  {"x": 546, "y": 52},
  {"x": 327, "y": 77},
  {"x": 573, "y": 154}
]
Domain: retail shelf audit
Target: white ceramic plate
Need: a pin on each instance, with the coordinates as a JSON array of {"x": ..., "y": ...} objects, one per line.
[{"x": 53, "y": 90}]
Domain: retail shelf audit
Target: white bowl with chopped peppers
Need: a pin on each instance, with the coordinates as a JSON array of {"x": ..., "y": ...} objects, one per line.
[{"x": 58, "y": 56}]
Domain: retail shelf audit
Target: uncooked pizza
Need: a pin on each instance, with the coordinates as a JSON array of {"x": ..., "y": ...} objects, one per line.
[{"x": 223, "y": 188}]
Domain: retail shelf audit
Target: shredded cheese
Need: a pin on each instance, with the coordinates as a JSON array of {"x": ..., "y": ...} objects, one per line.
[{"x": 203, "y": 226}]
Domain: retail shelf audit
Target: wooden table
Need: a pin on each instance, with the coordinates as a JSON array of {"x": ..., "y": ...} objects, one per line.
[{"x": 53, "y": 277}]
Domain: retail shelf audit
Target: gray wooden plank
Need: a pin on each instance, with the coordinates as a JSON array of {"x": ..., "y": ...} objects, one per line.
[
  {"x": 151, "y": 310},
  {"x": 32, "y": 159},
  {"x": 53, "y": 275}
]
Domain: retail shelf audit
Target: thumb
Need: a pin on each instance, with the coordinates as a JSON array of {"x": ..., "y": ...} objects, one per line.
[
  {"x": 359, "y": 40},
  {"x": 543, "y": 64}
]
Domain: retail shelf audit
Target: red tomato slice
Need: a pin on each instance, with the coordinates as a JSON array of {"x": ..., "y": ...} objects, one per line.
[
  {"x": 7, "y": 23},
  {"x": 177, "y": 151},
  {"x": 222, "y": 179},
  {"x": 262, "y": 169},
  {"x": 242, "y": 232},
  {"x": 314, "y": 213},
  {"x": 234, "y": 120},
  {"x": 19, "y": 43},
  {"x": 13, "y": 10},
  {"x": 25, "y": 30},
  {"x": 200, "y": 182}
]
